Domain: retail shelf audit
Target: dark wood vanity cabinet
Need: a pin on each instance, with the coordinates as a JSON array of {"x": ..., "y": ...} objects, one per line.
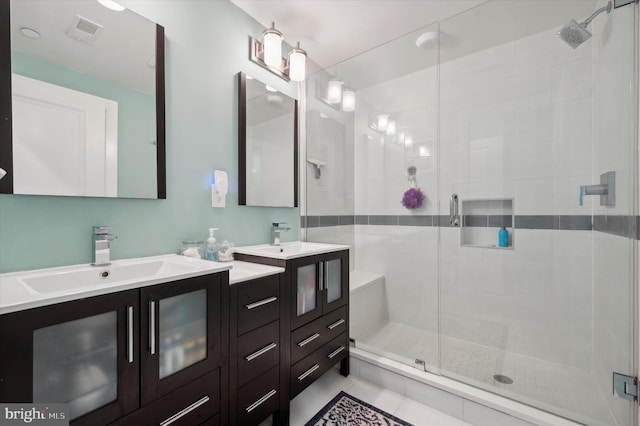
[
  {"x": 316, "y": 316},
  {"x": 257, "y": 379},
  {"x": 134, "y": 357},
  {"x": 319, "y": 317}
]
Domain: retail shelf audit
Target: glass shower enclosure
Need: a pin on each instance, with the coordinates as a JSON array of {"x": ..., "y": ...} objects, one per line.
[{"x": 501, "y": 125}]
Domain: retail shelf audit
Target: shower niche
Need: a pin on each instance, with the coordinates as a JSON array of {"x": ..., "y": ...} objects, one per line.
[{"x": 481, "y": 221}]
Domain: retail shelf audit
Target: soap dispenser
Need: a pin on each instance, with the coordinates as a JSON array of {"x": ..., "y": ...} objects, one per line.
[{"x": 211, "y": 250}]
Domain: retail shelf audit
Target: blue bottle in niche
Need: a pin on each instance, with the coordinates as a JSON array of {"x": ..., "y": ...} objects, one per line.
[{"x": 503, "y": 237}]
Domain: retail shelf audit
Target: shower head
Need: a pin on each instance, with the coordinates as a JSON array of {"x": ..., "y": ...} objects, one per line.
[{"x": 574, "y": 34}]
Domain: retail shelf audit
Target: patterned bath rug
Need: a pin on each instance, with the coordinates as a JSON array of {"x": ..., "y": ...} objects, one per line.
[{"x": 346, "y": 410}]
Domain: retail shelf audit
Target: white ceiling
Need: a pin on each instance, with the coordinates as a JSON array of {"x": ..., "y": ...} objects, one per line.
[{"x": 332, "y": 31}]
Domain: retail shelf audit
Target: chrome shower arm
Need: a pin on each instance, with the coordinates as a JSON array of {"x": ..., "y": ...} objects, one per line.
[{"x": 587, "y": 21}]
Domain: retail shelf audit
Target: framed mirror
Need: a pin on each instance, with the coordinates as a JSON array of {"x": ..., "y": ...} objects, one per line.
[
  {"x": 268, "y": 145},
  {"x": 82, "y": 107}
]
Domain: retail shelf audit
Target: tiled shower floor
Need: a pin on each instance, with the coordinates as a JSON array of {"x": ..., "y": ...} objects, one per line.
[{"x": 535, "y": 382}]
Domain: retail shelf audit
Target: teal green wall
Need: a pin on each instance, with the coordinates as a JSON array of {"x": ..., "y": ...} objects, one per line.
[
  {"x": 206, "y": 46},
  {"x": 136, "y": 121}
]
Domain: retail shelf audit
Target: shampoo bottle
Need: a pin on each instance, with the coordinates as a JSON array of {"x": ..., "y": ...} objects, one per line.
[
  {"x": 503, "y": 237},
  {"x": 211, "y": 249}
]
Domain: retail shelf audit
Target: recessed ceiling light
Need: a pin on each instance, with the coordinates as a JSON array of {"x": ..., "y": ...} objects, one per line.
[
  {"x": 30, "y": 33},
  {"x": 270, "y": 89},
  {"x": 110, "y": 4}
]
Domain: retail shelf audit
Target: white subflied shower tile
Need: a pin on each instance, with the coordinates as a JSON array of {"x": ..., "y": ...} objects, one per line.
[
  {"x": 480, "y": 415},
  {"x": 568, "y": 79},
  {"x": 444, "y": 401}
]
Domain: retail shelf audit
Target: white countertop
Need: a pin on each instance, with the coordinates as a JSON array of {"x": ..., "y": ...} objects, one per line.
[
  {"x": 290, "y": 250},
  {"x": 245, "y": 271},
  {"x": 41, "y": 287}
]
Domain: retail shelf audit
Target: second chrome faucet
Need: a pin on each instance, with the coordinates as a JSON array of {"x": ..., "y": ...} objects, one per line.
[{"x": 276, "y": 228}]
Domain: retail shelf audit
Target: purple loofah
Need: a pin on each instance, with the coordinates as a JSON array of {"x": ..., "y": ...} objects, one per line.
[{"x": 413, "y": 198}]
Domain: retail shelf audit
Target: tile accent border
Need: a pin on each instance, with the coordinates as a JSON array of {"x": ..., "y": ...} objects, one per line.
[{"x": 623, "y": 226}]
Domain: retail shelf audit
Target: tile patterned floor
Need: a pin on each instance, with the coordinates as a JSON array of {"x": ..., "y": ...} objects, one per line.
[
  {"x": 534, "y": 381},
  {"x": 311, "y": 400}
]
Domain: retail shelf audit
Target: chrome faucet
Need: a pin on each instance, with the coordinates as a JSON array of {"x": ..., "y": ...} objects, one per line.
[
  {"x": 275, "y": 232},
  {"x": 100, "y": 241}
]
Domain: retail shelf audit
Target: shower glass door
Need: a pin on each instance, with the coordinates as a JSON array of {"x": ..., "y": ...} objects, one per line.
[{"x": 526, "y": 120}]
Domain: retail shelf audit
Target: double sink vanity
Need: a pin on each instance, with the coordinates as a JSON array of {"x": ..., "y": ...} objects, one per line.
[{"x": 176, "y": 340}]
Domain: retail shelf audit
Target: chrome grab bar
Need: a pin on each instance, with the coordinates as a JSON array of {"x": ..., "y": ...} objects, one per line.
[{"x": 453, "y": 210}]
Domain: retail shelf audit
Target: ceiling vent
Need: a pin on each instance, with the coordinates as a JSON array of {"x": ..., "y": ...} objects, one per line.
[{"x": 84, "y": 30}]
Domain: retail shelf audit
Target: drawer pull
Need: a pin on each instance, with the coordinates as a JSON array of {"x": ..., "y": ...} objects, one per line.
[
  {"x": 185, "y": 411},
  {"x": 130, "y": 333},
  {"x": 261, "y": 302},
  {"x": 260, "y": 401},
  {"x": 335, "y": 324},
  {"x": 308, "y": 340},
  {"x": 309, "y": 371},
  {"x": 336, "y": 352},
  {"x": 257, "y": 353}
]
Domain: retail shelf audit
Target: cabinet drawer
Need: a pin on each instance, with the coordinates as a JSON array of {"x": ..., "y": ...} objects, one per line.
[
  {"x": 258, "y": 351},
  {"x": 310, "y": 337},
  {"x": 258, "y": 303},
  {"x": 260, "y": 398},
  {"x": 316, "y": 364},
  {"x": 189, "y": 405}
]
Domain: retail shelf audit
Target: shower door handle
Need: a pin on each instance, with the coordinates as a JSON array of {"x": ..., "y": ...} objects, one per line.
[{"x": 453, "y": 210}]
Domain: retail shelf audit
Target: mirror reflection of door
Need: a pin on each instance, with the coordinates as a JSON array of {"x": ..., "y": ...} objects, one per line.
[{"x": 73, "y": 148}]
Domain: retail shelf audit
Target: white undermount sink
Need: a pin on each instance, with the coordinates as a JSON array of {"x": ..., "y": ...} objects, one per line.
[{"x": 290, "y": 250}]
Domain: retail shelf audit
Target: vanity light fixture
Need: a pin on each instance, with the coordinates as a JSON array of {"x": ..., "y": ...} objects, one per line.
[
  {"x": 268, "y": 54},
  {"x": 110, "y": 4},
  {"x": 348, "y": 100},
  {"x": 391, "y": 128},
  {"x": 383, "y": 122},
  {"x": 334, "y": 91}
]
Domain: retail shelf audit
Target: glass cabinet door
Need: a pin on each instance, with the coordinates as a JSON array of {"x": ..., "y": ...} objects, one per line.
[
  {"x": 180, "y": 333},
  {"x": 307, "y": 289},
  {"x": 183, "y": 331},
  {"x": 333, "y": 280},
  {"x": 77, "y": 362}
]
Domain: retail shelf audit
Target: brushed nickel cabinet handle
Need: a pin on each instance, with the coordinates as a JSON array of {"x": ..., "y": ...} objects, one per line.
[
  {"x": 152, "y": 327},
  {"x": 336, "y": 352},
  {"x": 309, "y": 340},
  {"x": 257, "y": 353},
  {"x": 261, "y": 400},
  {"x": 309, "y": 371},
  {"x": 185, "y": 411},
  {"x": 261, "y": 302},
  {"x": 335, "y": 324},
  {"x": 130, "y": 333}
]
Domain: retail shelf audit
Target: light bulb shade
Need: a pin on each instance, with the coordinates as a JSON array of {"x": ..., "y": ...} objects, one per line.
[
  {"x": 348, "y": 100},
  {"x": 383, "y": 122},
  {"x": 272, "y": 46},
  {"x": 297, "y": 62},
  {"x": 334, "y": 91},
  {"x": 391, "y": 128},
  {"x": 110, "y": 4}
]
